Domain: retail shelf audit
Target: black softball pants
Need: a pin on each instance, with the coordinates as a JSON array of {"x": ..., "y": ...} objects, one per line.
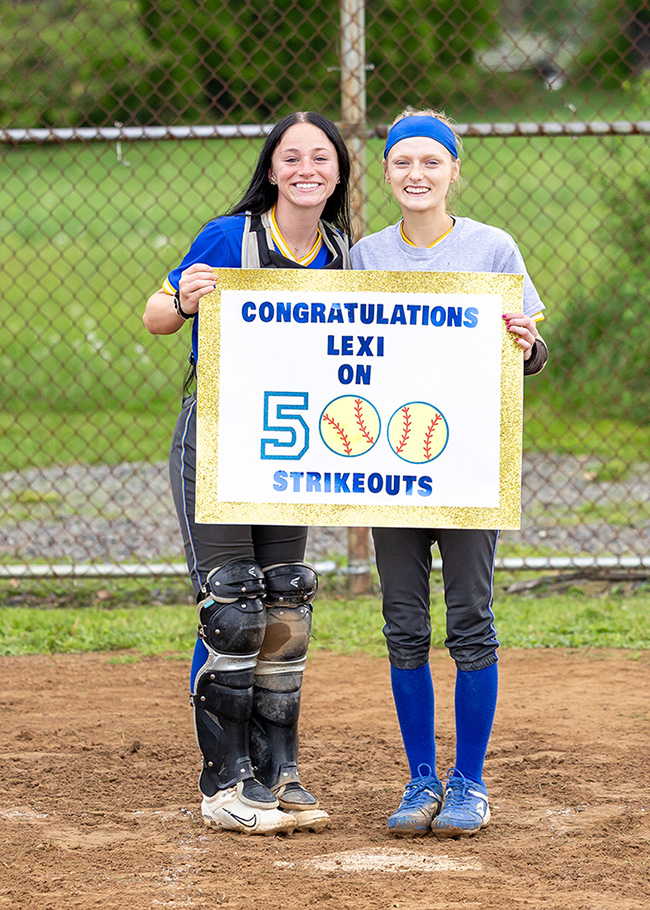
[
  {"x": 404, "y": 563},
  {"x": 210, "y": 545}
]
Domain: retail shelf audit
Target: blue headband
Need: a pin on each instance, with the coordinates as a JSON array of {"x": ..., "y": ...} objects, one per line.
[{"x": 431, "y": 127}]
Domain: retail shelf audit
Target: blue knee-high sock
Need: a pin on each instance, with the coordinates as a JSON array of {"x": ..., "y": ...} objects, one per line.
[
  {"x": 199, "y": 658},
  {"x": 414, "y": 702},
  {"x": 476, "y": 702}
]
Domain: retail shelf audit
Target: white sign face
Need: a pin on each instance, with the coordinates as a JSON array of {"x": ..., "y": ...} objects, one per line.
[{"x": 354, "y": 407}]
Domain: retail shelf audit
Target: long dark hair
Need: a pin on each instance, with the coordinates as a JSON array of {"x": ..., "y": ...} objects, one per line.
[{"x": 262, "y": 195}]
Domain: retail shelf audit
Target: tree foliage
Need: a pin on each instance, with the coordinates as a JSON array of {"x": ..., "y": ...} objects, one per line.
[
  {"x": 619, "y": 46},
  {"x": 242, "y": 61},
  {"x": 61, "y": 62},
  {"x": 603, "y": 340},
  {"x": 424, "y": 53},
  {"x": 70, "y": 62}
]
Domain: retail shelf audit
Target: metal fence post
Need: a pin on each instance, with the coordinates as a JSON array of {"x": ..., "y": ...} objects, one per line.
[
  {"x": 353, "y": 102},
  {"x": 353, "y": 117},
  {"x": 359, "y": 561}
]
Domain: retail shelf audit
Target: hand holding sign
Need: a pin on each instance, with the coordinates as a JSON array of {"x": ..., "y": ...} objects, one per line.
[{"x": 398, "y": 407}]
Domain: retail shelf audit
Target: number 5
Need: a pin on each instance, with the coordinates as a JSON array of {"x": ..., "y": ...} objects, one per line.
[{"x": 280, "y": 416}]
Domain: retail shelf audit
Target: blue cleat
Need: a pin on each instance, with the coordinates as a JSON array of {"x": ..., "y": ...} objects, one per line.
[
  {"x": 465, "y": 808},
  {"x": 420, "y": 805}
]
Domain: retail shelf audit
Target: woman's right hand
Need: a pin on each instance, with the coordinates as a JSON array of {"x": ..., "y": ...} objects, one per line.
[
  {"x": 195, "y": 282},
  {"x": 160, "y": 316}
]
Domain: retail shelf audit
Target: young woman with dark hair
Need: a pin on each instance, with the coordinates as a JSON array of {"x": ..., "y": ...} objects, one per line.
[
  {"x": 253, "y": 590},
  {"x": 262, "y": 195}
]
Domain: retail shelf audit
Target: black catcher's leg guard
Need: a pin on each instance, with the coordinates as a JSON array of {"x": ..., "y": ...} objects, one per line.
[
  {"x": 290, "y": 589},
  {"x": 232, "y": 623}
]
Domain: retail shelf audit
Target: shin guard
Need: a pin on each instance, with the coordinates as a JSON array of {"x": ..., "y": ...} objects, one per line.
[
  {"x": 232, "y": 623},
  {"x": 278, "y": 676}
]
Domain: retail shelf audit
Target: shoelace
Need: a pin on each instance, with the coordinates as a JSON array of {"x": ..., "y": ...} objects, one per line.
[
  {"x": 421, "y": 788},
  {"x": 457, "y": 791}
]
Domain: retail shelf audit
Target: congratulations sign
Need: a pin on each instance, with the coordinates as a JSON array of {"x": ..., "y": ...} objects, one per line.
[{"x": 359, "y": 398}]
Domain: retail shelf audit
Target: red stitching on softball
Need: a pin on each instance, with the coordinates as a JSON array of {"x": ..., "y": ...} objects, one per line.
[
  {"x": 429, "y": 434},
  {"x": 406, "y": 432},
  {"x": 360, "y": 421},
  {"x": 339, "y": 429}
]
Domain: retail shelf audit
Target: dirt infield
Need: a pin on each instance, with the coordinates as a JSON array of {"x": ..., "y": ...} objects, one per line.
[{"x": 98, "y": 804}]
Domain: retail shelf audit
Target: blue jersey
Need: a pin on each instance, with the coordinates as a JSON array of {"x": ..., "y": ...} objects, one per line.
[{"x": 219, "y": 245}]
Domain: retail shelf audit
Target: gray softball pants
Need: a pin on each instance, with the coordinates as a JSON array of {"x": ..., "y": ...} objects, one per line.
[{"x": 404, "y": 563}]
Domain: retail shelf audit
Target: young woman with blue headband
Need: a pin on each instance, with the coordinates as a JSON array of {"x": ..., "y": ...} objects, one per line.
[{"x": 421, "y": 164}]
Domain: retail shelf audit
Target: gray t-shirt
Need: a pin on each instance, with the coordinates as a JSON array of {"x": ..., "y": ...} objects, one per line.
[{"x": 469, "y": 247}]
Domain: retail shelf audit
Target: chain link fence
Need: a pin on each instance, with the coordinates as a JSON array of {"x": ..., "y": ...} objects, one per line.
[{"x": 126, "y": 126}]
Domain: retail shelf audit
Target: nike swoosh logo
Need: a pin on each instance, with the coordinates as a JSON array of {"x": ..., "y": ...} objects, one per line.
[{"x": 247, "y": 822}]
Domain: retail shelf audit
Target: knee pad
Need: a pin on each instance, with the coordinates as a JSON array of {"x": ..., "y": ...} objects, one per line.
[
  {"x": 290, "y": 589},
  {"x": 291, "y": 584},
  {"x": 283, "y": 654},
  {"x": 233, "y": 630},
  {"x": 234, "y": 580},
  {"x": 233, "y": 620}
]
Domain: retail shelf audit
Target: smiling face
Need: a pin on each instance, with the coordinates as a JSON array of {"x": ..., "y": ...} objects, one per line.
[
  {"x": 305, "y": 167},
  {"x": 420, "y": 172}
]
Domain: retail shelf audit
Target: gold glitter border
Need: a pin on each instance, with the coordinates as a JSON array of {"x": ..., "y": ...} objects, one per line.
[{"x": 210, "y": 510}]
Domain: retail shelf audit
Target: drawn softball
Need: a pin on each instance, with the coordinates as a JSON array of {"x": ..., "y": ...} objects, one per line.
[
  {"x": 417, "y": 432},
  {"x": 350, "y": 425}
]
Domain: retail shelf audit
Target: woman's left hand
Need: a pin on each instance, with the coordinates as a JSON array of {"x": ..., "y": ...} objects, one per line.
[{"x": 524, "y": 330}]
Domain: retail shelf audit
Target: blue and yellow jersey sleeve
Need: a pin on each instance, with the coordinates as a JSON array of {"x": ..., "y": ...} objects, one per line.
[{"x": 217, "y": 245}]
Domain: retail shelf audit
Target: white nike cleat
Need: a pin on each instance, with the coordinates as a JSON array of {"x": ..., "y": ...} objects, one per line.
[
  {"x": 303, "y": 806},
  {"x": 232, "y": 810}
]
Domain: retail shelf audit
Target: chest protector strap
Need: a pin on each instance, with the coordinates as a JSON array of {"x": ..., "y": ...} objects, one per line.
[{"x": 259, "y": 252}]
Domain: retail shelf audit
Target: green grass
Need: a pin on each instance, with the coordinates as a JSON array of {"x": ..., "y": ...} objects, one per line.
[
  {"x": 142, "y": 629},
  {"x": 89, "y": 239},
  {"x": 588, "y": 616},
  {"x": 571, "y": 619}
]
